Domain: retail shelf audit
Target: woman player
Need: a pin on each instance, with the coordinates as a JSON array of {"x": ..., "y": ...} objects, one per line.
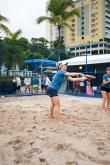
[
  {"x": 105, "y": 89},
  {"x": 53, "y": 88}
]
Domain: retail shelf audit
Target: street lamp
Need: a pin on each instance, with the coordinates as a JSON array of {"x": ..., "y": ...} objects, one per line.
[
  {"x": 86, "y": 61},
  {"x": 0, "y": 55}
]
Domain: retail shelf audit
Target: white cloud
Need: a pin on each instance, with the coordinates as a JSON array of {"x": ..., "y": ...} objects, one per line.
[{"x": 22, "y": 14}]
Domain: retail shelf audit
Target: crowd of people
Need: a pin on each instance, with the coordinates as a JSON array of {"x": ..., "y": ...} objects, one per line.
[
  {"x": 31, "y": 84},
  {"x": 81, "y": 87}
]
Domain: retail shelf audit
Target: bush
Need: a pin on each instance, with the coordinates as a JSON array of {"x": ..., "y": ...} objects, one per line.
[{"x": 5, "y": 79}]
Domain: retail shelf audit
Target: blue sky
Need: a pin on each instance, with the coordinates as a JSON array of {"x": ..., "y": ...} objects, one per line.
[{"x": 22, "y": 14}]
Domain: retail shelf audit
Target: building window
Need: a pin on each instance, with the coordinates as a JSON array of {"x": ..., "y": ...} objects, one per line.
[
  {"x": 93, "y": 30},
  {"x": 93, "y": 25},
  {"x": 93, "y": 20},
  {"x": 95, "y": 52},
  {"x": 71, "y": 49},
  {"x": 73, "y": 25},
  {"x": 105, "y": 45},
  {"x": 95, "y": 46},
  {"x": 93, "y": 15},
  {"x": 88, "y": 46},
  {"x": 101, "y": 51},
  {"x": 73, "y": 34},
  {"x": 77, "y": 54},
  {"x": 77, "y": 48},
  {"x": 73, "y": 20},
  {"x": 82, "y": 38},
  {"x": 82, "y": 47}
]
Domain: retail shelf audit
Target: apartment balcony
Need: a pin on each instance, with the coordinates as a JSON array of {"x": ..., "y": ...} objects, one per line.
[
  {"x": 107, "y": 24},
  {"x": 107, "y": 19},
  {"x": 107, "y": 14}
]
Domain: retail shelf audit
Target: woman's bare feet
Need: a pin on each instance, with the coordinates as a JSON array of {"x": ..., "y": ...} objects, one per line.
[
  {"x": 51, "y": 116},
  {"x": 104, "y": 109}
]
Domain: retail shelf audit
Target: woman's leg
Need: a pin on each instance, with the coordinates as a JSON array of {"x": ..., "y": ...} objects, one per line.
[
  {"x": 56, "y": 103},
  {"x": 26, "y": 88},
  {"x": 37, "y": 89},
  {"x": 51, "y": 110},
  {"x": 105, "y": 98},
  {"x": 29, "y": 88},
  {"x": 108, "y": 100}
]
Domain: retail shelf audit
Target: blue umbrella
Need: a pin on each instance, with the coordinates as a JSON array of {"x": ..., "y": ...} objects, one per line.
[{"x": 41, "y": 62}]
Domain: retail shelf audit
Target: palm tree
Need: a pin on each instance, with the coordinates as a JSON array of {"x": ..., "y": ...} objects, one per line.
[
  {"x": 12, "y": 49},
  {"x": 14, "y": 36},
  {"x": 2, "y": 26},
  {"x": 59, "y": 13}
]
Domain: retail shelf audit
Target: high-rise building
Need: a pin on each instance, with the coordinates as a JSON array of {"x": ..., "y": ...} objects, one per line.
[
  {"x": 52, "y": 32},
  {"x": 91, "y": 31}
]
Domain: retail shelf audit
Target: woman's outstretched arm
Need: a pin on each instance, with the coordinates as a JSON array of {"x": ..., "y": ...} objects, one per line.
[
  {"x": 73, "y": 74},
  {"x": 76, "y": 79}
]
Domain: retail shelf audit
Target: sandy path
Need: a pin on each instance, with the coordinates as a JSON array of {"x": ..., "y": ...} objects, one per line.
[{"x": 29, "y": 137}]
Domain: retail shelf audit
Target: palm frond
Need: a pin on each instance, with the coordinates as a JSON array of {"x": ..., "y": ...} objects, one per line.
[
  {"x": 3, "y": 19},
  {"x": 44, "y": 18},
  {"x": 67, "y": 25},
  {"x": 4, "y": 28},
  {"x": 18, "y": 33},
  {"x": 15, "y": 35},
  {"x": 74, "y": 12}
]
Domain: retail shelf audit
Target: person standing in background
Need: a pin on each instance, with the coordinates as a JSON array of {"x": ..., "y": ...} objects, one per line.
[
  {"x": 105, "y": 90},
  {"x": 88, "y": 88},
  {"x": 43, "y": 81},
  {"x": 35, "y": 83},
  {"x": 47, "y": 82},
  {"x": 14, "y": 85},
  {"x": 27, "y": 83},
  {"x": 18, "y": 84}
]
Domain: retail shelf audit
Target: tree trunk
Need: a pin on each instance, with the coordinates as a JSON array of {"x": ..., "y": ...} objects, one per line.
[
  {"x": 59, "y": 35},
  {"x": 59, "y": 28}
]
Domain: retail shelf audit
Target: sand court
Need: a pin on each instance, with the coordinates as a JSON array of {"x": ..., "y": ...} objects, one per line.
[{"x": 29, "y": 137}]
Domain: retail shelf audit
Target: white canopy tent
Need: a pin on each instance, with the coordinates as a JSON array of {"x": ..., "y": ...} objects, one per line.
[{"x": 91, "y": 59}]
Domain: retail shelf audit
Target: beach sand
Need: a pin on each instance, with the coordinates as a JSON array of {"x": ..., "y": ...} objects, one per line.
[{"x": 29, "y": 137}]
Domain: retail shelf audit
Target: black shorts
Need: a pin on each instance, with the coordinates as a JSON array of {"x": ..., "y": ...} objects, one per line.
[
  {"x": 52, "y": 92},
  {"x": 105, "y": 89},
  {"x": 18, "y": 87},
  {"x": 42, "y": 86},
  {"x": 46, "y": 86}
]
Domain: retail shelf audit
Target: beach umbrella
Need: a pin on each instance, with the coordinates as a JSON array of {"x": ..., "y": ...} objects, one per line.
[{"x": 41, "y": 63}]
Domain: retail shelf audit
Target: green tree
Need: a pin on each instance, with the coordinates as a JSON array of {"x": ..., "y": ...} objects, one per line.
[
  {"x": 59, "y": 13},
  {"x": 39, "y": 48},
  {"x": 16, "y": 49},
  {"x": 3, "y": 27}
]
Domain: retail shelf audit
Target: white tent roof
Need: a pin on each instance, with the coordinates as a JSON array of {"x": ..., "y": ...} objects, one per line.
[{"x": 91, "y": 59}]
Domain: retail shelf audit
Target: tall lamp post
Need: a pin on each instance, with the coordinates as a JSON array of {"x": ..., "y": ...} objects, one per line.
[
  {"x": 0, "y": 56},
  {"x": 86, "y": 70}
]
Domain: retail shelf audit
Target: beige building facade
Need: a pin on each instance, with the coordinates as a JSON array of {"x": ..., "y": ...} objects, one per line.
[{"x": 90, "y": 31}]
